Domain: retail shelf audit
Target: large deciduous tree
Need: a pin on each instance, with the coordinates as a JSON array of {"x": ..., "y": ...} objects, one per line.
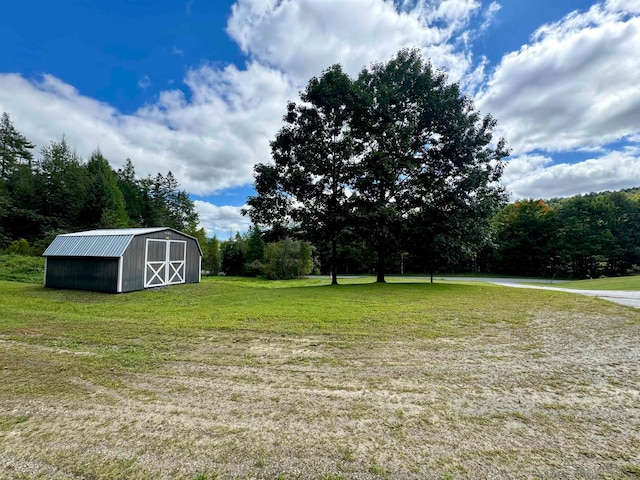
[
  {"x": 427, "y": 164},
  {"x": 313, "y": 157},
  {"x": 397, "y": 150}
]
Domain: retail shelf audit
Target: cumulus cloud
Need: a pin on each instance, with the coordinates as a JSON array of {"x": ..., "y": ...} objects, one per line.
[
  {"x": 574, "y": 86},
  {"x": 209, "y": 140},
  {"x": 222, "y": 221},
  {"x": 534, "y": 177},
  {"x": 213, "y": 131},
  {"x": 306, "y": 36},
  {"x": 46, "y": 109}
]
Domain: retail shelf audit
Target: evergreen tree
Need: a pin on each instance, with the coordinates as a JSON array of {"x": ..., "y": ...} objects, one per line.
[
  {"x": 20, "y": 215},
  {"x": 132, "y": 193},
  {"x": 255, "y": 251},
  {"x": 211, "y": 260},
  {"x": 62, "y": 182},
  {"x": 14, "y": 147},
  {"x": 104, "y": 205},
  {"x": 166, "y": 205}
]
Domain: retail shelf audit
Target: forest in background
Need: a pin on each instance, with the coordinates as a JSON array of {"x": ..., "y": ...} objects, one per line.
[
  {"x": 59, "y": 192},
  {"x": 584, "y": 236}
]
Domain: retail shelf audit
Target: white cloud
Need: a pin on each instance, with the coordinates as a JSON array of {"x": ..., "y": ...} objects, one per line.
[
  {"x": 532, "y": 177},
  {"x": 212, "y": 134},
  {"x": 44, "y": 110},
  {"x": 489, "y": 15},
  {"x": 631, "y": 6},
  {"x": 144, "y": 82},
  {"x": 523, "y": 166},
  {"x": 222, "y": 221},
  {"x": 574, "y": 86},
  {"x": 306, "y": 36},
  {"x": 210, "y": 141},
  {"x": 176, "y": 51}
]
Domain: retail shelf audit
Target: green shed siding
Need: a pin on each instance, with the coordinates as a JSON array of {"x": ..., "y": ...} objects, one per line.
[{"x": 82, "y": 273}]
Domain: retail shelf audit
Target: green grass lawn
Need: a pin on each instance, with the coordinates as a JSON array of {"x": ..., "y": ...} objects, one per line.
[
  {"x": 20, "y": 268},
  {"x": 613, "y": 283},
  {"x": 246, "y": 378},
  {"x": 153, "y": 320}
]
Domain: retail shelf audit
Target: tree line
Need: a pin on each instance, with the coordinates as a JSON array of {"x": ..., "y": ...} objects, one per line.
[
  {"x": 396, "y": 171},
  {"x": 250, "y": 255},
  {"x": 59, "y": 192},
  {"x": 581, "y": 236},
  {"x": 584, "y": 236}
]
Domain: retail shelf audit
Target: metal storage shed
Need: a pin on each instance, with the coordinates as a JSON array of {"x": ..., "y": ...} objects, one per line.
[{"x": 122, "y": 260}]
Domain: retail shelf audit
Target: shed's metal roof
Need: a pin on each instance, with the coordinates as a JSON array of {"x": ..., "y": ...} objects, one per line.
[
  {"x": 96, "y": 243},
  {"x": 78, "y": 245}
]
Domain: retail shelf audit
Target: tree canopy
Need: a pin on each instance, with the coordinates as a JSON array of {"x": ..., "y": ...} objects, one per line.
[
  {"x": 313, "y": 159},
  {"x": 580, "y": 236},
  {"x": 377, "y": 158},
  {"x": 14, "y": 147}
]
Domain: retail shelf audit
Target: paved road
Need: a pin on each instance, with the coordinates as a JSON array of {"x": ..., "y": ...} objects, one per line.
[{"x": 623, "y": 297}]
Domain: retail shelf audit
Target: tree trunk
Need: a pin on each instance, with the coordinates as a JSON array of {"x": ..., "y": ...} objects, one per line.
[
  {"x": 334, "y": 262},
  {"x": 380, "y": 266}
]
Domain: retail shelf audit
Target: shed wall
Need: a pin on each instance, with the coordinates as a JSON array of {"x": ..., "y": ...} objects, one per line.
[{"x": 82, "y": 273}]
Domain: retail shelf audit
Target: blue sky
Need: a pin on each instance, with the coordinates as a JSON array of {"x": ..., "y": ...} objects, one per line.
[{"x": 199, "y": 87}]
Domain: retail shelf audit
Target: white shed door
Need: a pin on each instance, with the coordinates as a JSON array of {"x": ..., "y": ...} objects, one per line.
[{"x": 164, "y": 262}]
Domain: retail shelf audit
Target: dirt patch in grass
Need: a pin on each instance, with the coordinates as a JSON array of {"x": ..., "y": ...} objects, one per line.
[{"x": 557, "y": 396}]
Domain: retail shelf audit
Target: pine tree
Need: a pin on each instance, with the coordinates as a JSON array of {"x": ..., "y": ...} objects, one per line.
[{"x": 14, "y": 147}]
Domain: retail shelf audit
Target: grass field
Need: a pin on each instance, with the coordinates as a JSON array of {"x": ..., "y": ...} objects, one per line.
[
  {"x": 20, "y": 268},
  {"x": 613, "y": 283},
  {"x": 243, "y": 379}
]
